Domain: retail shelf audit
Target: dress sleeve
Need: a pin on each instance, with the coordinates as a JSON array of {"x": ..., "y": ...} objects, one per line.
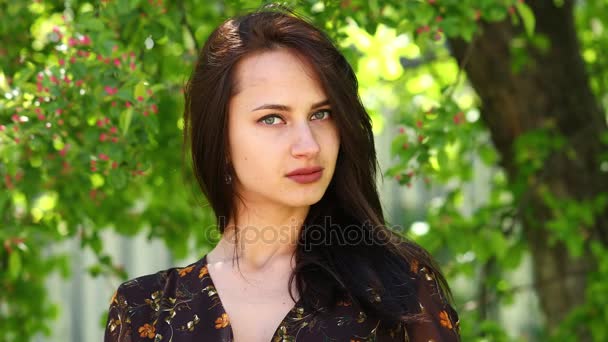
[
  {"x": 118, "y": 326},
  {"x": 440, "y": 323}
]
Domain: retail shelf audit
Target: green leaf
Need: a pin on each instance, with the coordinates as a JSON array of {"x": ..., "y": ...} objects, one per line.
[
  {"x": 140, "y": 89},
  {"x": 167, "y": 23},
  {"x": 398, "y": 143},
  {"x": 117, "y": 179},
  {"x": 442, "y": 159},
  {"x": 14, "y": 265},
  {"x": 125, "y": 120},
  {"x": 527, "y": 16},
  {"x": 88, "y": 21}
]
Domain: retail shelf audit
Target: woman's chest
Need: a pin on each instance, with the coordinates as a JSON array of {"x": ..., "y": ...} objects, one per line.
[
  {"x": 256, "y": 320},
  {"x": 255, "y": 307}
]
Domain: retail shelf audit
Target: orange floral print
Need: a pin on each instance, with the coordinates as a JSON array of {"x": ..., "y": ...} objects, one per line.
[
  {"x": 344, "y": 303},
  {"x": 414, "y": 266},
  {"x": 204, "y": 271},
  {"x": 113, "y": 300},
  {"x": 147, "y": 330},
  {"x": 185, "y": 271},
  {"x": 444, "y": 319},
  {"x": 113, "y": 323},
  {"x": 222, "y": 322}
]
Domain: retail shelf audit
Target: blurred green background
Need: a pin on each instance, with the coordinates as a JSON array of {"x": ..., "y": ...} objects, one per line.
[{"x": 491, "y": 133}]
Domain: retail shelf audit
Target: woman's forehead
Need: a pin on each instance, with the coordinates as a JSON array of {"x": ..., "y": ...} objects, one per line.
[{"x": 274, "y": 69}]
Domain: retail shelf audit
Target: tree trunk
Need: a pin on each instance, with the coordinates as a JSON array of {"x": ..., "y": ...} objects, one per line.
[{"x": 552, "y": 91}]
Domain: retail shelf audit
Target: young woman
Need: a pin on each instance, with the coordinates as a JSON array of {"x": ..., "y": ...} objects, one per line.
[{"x": 283, "y": 150}]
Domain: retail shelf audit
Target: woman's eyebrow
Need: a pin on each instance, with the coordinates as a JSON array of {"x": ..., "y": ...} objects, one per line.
[{"x": 287, "y": 108}]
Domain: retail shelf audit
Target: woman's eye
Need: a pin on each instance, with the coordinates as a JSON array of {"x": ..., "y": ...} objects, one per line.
[
  {"x": 325, "y": 112},
  {"x": 273, "y": 119},
  {"x": 269, "y": 120}
]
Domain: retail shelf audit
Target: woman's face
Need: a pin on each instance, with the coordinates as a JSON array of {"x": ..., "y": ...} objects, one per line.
[{"x": 280, "y": 120}]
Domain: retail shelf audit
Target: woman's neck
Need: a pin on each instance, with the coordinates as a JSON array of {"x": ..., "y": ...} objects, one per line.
[{"x": 260, "y": 242}]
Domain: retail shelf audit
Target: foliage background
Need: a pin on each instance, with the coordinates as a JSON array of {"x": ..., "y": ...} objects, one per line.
[{"x": 90, "y": 131}]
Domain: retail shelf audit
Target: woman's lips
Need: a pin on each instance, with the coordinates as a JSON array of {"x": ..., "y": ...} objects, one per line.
[{"x": 307, "y": 178}]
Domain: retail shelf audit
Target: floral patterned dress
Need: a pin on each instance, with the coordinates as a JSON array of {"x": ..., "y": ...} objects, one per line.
[{"x": 182, "y": 304}]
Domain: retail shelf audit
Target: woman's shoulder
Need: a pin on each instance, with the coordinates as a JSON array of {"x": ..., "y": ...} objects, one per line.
[
  {"x": 161, "y": 283},
  {"x": 433, "y": 297},
  {"x": 177, "y": 299}
]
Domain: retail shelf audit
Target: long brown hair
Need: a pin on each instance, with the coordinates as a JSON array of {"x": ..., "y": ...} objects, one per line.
[{"x": 324, "y": 272}]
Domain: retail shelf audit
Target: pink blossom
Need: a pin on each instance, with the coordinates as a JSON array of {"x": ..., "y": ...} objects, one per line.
[
  {"x": 85, "y": 40},
  {"x": 110, "y": 91}
]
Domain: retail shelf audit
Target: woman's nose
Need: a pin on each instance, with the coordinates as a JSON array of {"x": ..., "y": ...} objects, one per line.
[{"x": 305, "y": 142}]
